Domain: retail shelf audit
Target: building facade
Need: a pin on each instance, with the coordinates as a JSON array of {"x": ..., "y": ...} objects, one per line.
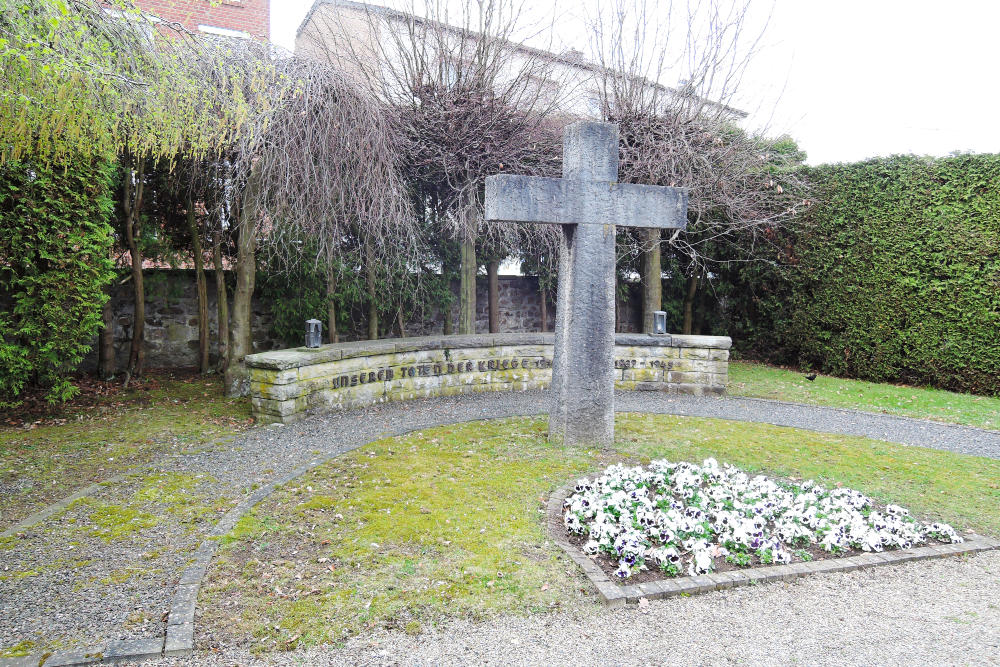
[
  {"x": 248, "y": 19},
  {"x": 349, "y": 33}
]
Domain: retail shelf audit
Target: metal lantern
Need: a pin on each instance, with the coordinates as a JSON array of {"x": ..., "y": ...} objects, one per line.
[
  {"x": 659, "y": 323},
  {"x": 314, "y": 333}
]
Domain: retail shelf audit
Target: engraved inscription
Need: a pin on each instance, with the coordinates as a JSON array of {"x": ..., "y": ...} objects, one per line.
[{"x": 387, "y": 374}]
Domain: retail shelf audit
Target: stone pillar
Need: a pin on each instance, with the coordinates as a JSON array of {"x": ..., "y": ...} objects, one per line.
[{"x": 583, "y": 410}]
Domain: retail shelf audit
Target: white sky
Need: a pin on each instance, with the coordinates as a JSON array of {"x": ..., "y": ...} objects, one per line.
[{"x": 848, "y": 79}]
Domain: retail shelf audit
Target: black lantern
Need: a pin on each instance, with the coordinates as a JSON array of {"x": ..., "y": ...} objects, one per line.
[{"x": 314, "y": 333}]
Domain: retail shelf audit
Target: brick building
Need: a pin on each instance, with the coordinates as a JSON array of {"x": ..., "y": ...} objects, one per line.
[{"x": 229, "y": 18}]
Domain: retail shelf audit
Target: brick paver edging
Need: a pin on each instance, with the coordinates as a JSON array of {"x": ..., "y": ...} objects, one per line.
[{"x": 614, "y": 595}]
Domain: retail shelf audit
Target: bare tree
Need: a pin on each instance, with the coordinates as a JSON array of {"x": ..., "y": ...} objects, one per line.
[
  {"x": 317, "y": 164},
  {"x": 688, "y": 135},
  {"x": 469, "y": 101}
]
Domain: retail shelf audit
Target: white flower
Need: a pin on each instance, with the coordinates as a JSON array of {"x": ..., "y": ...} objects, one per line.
[
  {"x": 701, "y": 562},
  {"x": 635, "y": 514}
]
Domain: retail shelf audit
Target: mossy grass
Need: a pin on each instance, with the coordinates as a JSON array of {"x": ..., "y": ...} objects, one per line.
[
  {"x": 448, "y": 522},
  {"x": 49, "y": 461},
  {"x": 158, "y": 497},
  {"x": 761, "y": 381},
  {"x": 18, "y": 650}
]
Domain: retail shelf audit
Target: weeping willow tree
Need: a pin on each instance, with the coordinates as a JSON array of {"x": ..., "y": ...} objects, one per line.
[
  {"x": 469, "y": 101},
  {"x": 92, "y": 78},
  {"x": 87, "y": 82},
  {"x": 318, "y": 171},
  {"x": 286, "y": 148}
]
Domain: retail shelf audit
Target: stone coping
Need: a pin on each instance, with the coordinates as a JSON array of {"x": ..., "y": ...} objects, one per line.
[
  {"x": 303, "y": 356},
  {"x": 285, "y": 385},
  {"x": 617, "y": 595}
]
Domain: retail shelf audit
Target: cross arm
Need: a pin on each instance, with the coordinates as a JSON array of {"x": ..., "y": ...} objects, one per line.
[{"x": 564, "y": 201}]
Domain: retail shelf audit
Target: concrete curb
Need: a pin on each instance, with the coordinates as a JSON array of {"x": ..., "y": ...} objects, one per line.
[
  {"x": 615, "y": 595},
  {"x": 58, "y": 506}
]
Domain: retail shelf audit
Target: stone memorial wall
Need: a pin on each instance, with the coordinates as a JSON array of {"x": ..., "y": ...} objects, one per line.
[{"x": 288, "y": 384}]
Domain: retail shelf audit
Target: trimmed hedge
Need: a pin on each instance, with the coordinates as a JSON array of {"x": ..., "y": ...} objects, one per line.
[
  {"x": 894, "y": 275},
  {"x": 55, "y": 261}
]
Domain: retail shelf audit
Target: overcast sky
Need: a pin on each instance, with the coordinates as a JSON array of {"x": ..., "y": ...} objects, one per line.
[{"x": 848, "y": 79}]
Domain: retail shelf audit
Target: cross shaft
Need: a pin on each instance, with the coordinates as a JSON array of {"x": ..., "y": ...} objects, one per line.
[{"x": 588, "y": 202}]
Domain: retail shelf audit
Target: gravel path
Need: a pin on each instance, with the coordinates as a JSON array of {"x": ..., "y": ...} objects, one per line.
[
  {"x": 64, "y": 584},
  {"x": 941, "y": 612},
  {"x": 905, "y": 430}
]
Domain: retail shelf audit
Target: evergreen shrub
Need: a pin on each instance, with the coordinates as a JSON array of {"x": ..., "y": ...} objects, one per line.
[
  {"x": 55, "y": 262},
  {"x": 892, "y": 275}
]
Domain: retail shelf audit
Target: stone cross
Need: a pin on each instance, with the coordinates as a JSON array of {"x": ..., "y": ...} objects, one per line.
[{"x": 588, "y": 201}]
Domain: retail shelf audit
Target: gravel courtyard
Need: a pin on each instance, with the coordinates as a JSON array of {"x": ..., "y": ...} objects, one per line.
[
  {"x": 942, "y": 612},
  {"x": 83, "y": 589}
]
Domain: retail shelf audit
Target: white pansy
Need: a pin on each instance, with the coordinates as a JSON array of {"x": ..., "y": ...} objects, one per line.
[{"x": 632, "y": 514}]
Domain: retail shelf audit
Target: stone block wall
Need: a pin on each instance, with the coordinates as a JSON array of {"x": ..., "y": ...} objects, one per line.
[
  {"x": 520, "y": 310},
  {"x": 172, "y": 321},
  {"x": 172, "y": 317},
  {"x": 288, "y": 384}
]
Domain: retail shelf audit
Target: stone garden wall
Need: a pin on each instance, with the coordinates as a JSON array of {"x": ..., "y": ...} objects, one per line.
[
  {"x": 172, "y": 317},
  {"x": 172, "y": 321},
  {"x": 288, "y": 384}
]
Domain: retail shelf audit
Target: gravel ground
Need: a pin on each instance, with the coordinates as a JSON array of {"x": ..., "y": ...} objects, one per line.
[
  {"x": 123, "y": 587},
  {"x": 942, "y": 612},
  {"x": 905, "y": 430}
]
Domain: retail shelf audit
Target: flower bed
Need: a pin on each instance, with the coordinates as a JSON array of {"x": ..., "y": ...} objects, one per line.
[{"x": 684, "y": 518}]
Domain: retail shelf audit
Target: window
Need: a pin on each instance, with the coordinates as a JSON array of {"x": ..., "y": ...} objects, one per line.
[{"x": 223, "y": 32}]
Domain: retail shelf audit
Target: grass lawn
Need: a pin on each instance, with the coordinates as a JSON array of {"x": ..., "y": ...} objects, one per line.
[
  {"x": 102, "y": 434},
  {"x": 447, "y": 522},
  {"x": 760, "y": 381}
]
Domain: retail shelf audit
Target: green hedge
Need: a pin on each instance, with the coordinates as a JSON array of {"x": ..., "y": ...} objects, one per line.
[
  {"x": 55, "y": 249},
  {"x": 894, "y": 275}
]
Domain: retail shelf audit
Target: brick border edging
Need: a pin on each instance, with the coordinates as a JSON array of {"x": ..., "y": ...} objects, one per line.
[{"x": 615, "y": 595}]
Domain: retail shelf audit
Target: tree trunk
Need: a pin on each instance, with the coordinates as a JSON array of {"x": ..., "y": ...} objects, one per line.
[
  {"x": 399, "y": 323},
  {"x": 652, "y": 284},
  {"x": 467, "y": 289},
  {"x": 222, "y": 297},
  {"x": 199, "y": 272},
  {"x": 331, "y": 304},
  {"x": 700, "y": 309},
  {"x": 449, "y": 325},
  {"x": 370, "y": 291},
  {"x": 618, "y": 312},
  {"x": 241, "y": 324},
  {"x": 106, "y": 351},
  {"x": 493, "y": 271},
  {"x": 545, "y": 306},
  {"x": 131, "y": 206},
  {"x": 689, "y": 295}
]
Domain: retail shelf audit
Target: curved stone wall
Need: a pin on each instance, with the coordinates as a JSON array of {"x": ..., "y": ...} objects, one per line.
[{"x": 288, "y": 384}]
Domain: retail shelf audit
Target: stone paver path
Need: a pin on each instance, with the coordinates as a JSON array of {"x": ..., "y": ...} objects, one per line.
[{"x": 106, "y": 568}]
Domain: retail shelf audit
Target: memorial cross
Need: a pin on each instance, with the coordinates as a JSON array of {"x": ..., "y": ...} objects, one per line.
[{"x": 588, "y": 201}]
